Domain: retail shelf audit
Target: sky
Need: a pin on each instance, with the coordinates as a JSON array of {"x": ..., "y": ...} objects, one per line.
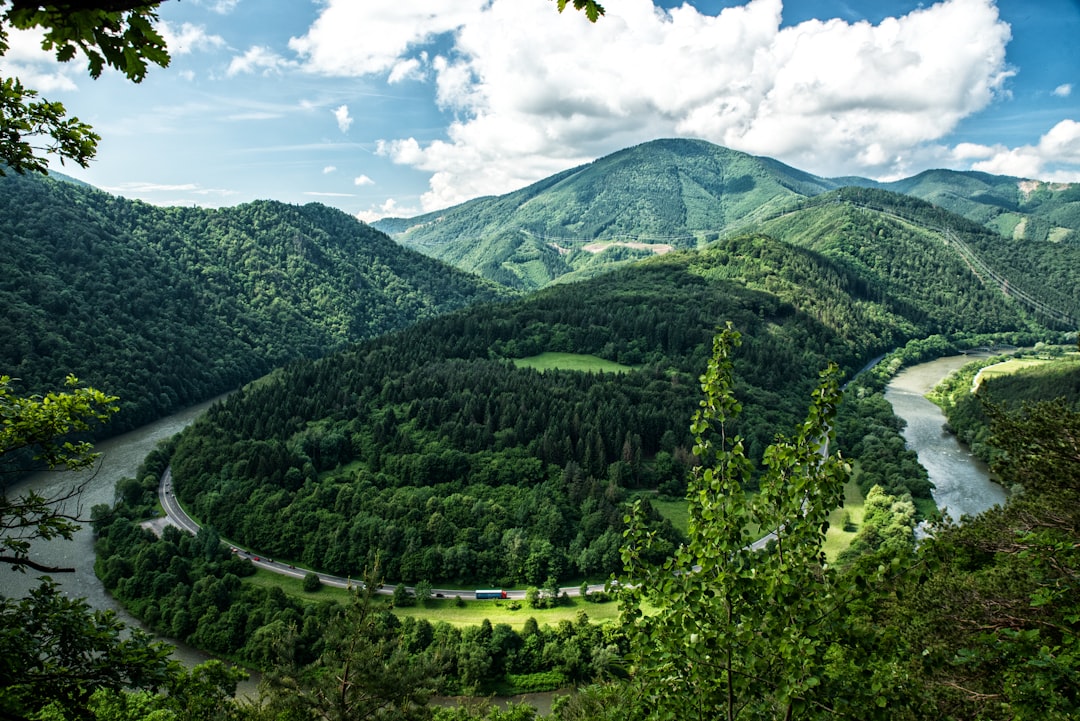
[{"x": 406, "y": 107}]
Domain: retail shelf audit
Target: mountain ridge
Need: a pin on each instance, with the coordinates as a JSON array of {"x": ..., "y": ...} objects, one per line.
[{"x": 690, "y": 192}]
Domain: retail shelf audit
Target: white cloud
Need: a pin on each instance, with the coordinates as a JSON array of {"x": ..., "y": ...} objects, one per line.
[
  {"x": 341, "y": 114},
  {"x": 222, "y": 7},
  {"x": 408, "y": 69},
  {"x": 534, "y": 92},
  {"x": 1058, "y": 149},
  {"x": 328, "y": 169},
  {"x": 258, "y": 59},
  {"x": 188, "y": 38},
  {"x": 1064, "y": 90},
  {"x": 363, "y": 180},
  {"x": 35, "y": 67},
  {"x": 388, "y": 30},
  {"x": 389, "y": 209}
]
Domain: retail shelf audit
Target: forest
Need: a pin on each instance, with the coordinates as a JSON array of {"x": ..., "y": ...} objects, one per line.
[
  {"x": 428, "y": 449},
  {"x": 168, "y": 307}
]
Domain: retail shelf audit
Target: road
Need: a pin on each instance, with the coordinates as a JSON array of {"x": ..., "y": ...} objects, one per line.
[{"x": 175, "y": 515}]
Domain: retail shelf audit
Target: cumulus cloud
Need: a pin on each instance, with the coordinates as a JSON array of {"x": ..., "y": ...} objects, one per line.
[
  {"x": 341, "y": 114},
  {"x": 389, "y": 209},
  {"x": 36, "y": 68},
  {"x": 258, "y": 59},
  {"x": 328, "y": 169},
  {"x": 1064, "y": 90},
  {"x": 1048, "y": 160},
  {"x": 534, "y": 92},
  {"x": 363, "y": 180},
  {"x": 188, "y": 38}
]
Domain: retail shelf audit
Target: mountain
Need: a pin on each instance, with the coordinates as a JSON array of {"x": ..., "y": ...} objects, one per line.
[
  {"x": 629, "y": 205},
  {"x": 166, "y": 307},
  {"x": 669, "y": 194},
  {"x": 1016, "y": 208}
]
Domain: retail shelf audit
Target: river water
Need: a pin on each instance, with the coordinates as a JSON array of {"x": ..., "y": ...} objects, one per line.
[
  {"x": 120, "y": 458},
  {"x": 962, "y": 485}
]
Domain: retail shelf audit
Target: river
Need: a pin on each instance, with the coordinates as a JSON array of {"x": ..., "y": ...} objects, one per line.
[
  {"x": 120, "y": 458},
  {"x": 962, "y": 485}
]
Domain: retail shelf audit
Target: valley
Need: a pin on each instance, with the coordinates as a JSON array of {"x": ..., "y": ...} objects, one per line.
[{"x": 393, "y": 418}]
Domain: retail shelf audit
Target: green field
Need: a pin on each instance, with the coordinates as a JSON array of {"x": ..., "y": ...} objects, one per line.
[
  {"x": 1005, "y": 368},
  {"x": 837, "y": 539},
  {"x": 446, "y": 609},
  {"x": 474, "y": 612},
  {"x": 571, "y": 362}
]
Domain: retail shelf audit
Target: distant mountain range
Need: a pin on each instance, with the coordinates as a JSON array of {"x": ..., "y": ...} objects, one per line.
[{"x": 671, "y": 194}]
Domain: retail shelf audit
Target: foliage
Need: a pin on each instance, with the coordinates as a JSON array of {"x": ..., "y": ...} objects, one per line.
[
  {"x": 364, "y": 671},
  {"x": 41, "y": 430},
  {"x": 988, "y": 628},
  {"x": 120, "y": 35},
  {"x": 593, "y": 10},
  {"x": 57, "y": 649},
  {"x": 741, "y": 631},
  {"x": 966, "y": 408},
  {"x": 167, "y": 307}
]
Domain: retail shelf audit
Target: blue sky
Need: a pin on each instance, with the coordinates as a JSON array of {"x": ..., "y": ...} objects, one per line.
[{"x": 398, "y": 108}]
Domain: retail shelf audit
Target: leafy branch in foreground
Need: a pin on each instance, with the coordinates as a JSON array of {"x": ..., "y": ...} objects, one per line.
[
  {"x": 593, "y": 10},
  {"x": 120, "y": 35},
  {"x": 741, "y": 628},
  {"x": 36, "y": 430}
]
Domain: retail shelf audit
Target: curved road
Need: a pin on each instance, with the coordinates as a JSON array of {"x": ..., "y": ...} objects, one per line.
[{"x": 177, "y": 516}]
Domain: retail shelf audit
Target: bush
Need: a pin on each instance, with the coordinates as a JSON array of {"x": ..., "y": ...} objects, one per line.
[{"x": 312, "y": 583}]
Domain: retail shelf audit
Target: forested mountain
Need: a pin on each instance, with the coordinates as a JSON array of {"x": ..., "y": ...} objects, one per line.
[
  {"x": 1015, "y": 207},
  {"x": 165, "y": 307},
  {"x": 353, "y": 455},
  {"x": 663, "y": 194},
  {"x": 683, "y": 193}
]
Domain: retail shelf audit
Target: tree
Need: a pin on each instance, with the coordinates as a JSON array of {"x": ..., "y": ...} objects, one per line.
[
  {"x": 37, "y": 430},
  {"x": 312, "y": 582},
  {"x": 115, "y": 33},
  {"x": 58, "y": 650},
  {"x": 363, "y": 672},
  {"x": 744, "y": 632}
]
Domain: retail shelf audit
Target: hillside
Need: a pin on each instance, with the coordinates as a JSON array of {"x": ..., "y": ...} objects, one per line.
[
  {"x": 662, "y": 195},
  {"x": 435, "y": 420},
  {"x": 670, "y": 194},
  {"x": 871, "y": 230},
  {"x": 165, "y": 307},
  {"x": 1015, "y": 208}
]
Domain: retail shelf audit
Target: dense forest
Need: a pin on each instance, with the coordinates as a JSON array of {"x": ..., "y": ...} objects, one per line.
[
  {"x": 166, "y": 307},
  {"x": 430, "y": 450},
  {"x": 980, "y": 622}
]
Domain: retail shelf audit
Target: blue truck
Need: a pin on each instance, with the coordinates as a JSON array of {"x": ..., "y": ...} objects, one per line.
[{"x": 490, "y": 593}]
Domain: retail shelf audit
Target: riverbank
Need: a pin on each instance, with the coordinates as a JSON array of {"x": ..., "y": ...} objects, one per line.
[{"x": 962, "y": 483}]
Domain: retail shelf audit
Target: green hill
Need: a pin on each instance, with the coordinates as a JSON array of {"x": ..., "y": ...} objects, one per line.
[
  {"x": 672, "y": 194},
  {"x": 168, "y": 306},
  {"x": 660, "y": 195},
  {"x": 1014, "y": 207}
]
